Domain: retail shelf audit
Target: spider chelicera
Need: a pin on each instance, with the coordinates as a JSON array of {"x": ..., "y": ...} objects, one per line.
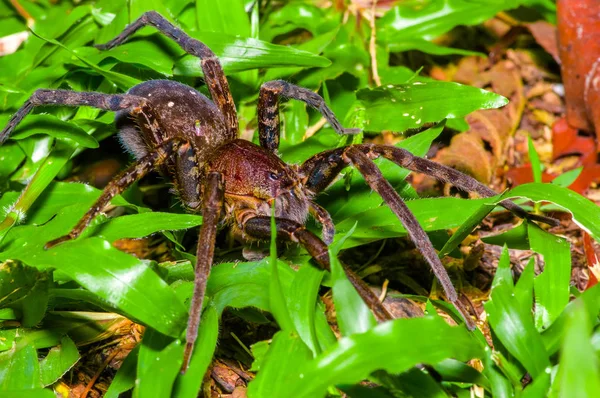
[{"x": 175, "y": 129}]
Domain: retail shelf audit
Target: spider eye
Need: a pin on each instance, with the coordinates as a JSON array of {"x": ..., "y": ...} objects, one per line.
[{"x": 273, "y": 176}]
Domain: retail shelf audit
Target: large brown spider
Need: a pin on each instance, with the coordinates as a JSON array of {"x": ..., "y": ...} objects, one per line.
[{"x": 173, "y": 128}]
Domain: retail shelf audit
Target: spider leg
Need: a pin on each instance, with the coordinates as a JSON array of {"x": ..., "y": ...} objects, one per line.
[
  {"x": 211, "y": 211},
  {"x": 404, "y": 158},
  {"x": 213, "y": 72},
  {"x": 260, "y": 227},
  {"x": 108, "y": 102},
  {"x": 121, "y": 182},
  {"x": 268, "y": 110},
  {"x": 324, "y": 218},
  {"x": 322, "y": 169}
]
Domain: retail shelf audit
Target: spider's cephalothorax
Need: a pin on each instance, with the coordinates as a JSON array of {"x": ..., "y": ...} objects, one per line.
[{"x": 193, "y": 140}]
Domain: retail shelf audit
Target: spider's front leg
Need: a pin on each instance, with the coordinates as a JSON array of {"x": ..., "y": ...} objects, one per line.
[
  {"x": 211, "y": 211},
  {"x": 121, "y": 182},
  {"x": 107, "y": 102},
  {"x": 260, "y": 228},
  {"x": 211, "y": 68},
  {"x": 320, "y": 171}
]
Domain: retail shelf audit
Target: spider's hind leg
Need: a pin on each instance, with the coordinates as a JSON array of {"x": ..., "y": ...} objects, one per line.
[
  {"x": 108, "y": 102},
  {"x": 213, "y": 72},
  {"x": 121, "y": 182}
]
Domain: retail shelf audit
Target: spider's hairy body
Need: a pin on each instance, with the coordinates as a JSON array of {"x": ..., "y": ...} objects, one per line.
[
  {"x": 192, "y": 140},
  {"x": 254, "y": 175}
]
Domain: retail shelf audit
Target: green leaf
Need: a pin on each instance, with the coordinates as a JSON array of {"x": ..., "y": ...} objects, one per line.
[
  {"x": 578, "y": 372},
  {"x": 279, "y": 368},
  {"x": 353, "y": 315},
  {"x": 585, "y": 213},
  {"x": 552, "y": 285},
  {"x": 224, "y": 17},
  {"x": 35, "y": 393},
  {"x": 118, "y": 278},
  {"x": 42, "y": 178},
  {"x": 513, "y": 324},
  {"x": 52, "y": 126},
  {"x": 240, "y": 54},
  {"x": 429, "y": 48},
  {"x": 568, "y": 177},
  {"x": 394, "y": 346},
  {"x": 514, "y": 238},
  {"x": 188, "y": 385},
  {"x": 25, "y": 290},
  {"x": 19, "y": 368},
  {"x": 465, "y": 229},
  {"x": 159, "y": 375},
  {"x": 140, "y": 225},
  {"x": 244, "y": 284},
  {"x": 301, "y": 303},
  {"x": 58, "y": 361},
  {"x": 534, "y": 158},
  {"x": 553, "y": 337},
  {"x": 277, "y": 301},
  {"x": 428, "y": 20},
  {"x": 406, "y": 106}
]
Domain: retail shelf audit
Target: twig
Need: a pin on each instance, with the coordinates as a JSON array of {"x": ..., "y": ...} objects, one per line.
[
  {"x": 314, "y": 128},
  {"x": 89, "y": 386},
  {"x": 372, "y": 46}
]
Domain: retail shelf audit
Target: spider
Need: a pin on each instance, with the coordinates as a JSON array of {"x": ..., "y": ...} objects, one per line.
[{"x": 191, "y": 139}]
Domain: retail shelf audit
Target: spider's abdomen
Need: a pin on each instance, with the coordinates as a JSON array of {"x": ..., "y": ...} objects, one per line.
[{"x": 178, "y": 110}]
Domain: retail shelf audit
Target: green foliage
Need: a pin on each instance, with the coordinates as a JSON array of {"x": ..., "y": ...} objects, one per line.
[{"x": 531, "y": 320}]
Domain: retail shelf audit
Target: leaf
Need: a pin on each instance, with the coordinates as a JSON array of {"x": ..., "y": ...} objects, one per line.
[
  {"x": 140, "y": 225},
  {"x": 534, "y": 158},
  {"x": 514, "y": 238},
  {"x": 238, "y": 54},
  {"x": 244, "y": 284},
  {"x": 512, "y": 323},
  {"x": 301, "y": 303},
  {"x": 428, "y": 47},
  {"x": 578, "y": 372},
  {"x": 36, "y": 185},
  {"x": 353, "y": 315},
  {"x": 277, "y": 302},
  {"x": 188, "y": 385},
  {"x": 160, "y": 373},
  {"x": 118, "y": 278},
  {"x": 552, "y": 285},
  {"x": 553, "y": 336},
  {"x": 35, "y": 393},
  {"x": 585, "y": 213},
  {"x": 58, "y": 361},
  {"x": 230, "y": 17},
  {"x": 25, "y": 290},
  {"x": 394, "y": 346},
  {"x": 52, "y": 126},
  {"x": 286, "y": 355},
  {"x": 412, "y": 19},
  {"x": 19, "y": 368},
  {"x": 406, "y": 106}
]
